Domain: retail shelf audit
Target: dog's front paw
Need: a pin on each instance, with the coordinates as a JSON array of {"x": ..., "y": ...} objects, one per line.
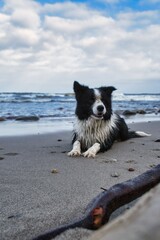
[
  {"x": 92, "y": 151},
  {"x": 89, "y": 153},
  {"x": 74, "y": 153}
]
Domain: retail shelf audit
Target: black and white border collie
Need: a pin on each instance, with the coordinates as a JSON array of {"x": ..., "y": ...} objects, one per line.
[{"x": 96, "y": 126}]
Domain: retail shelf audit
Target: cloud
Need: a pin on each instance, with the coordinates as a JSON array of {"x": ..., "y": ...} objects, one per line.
[
  {"x": 111, "y": 1},
  {"x": 45, "y": 47},
  {"x": 4, "y": 18},
  {"x": 149, "y": 1},
  {"x": 11, "y": 5},
  {"x": 25, "y": 18},
  {"x": 133, "y": 20},
  {"x": 67, "y": 10}
]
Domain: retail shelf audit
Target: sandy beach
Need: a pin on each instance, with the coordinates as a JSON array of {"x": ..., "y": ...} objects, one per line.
[{"x": 42, "y": 188}]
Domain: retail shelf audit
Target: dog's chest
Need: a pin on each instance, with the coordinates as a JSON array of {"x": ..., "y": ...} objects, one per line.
[{"x": 91, "y": 131}]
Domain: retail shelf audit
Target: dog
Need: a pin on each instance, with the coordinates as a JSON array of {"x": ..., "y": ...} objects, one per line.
[{"x": 96, "y": 126}]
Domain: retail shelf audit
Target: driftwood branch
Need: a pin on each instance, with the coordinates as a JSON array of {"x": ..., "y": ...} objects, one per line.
[{"x": 107, "y": 202}]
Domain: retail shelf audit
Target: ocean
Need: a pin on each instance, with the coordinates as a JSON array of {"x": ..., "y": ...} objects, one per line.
[{"x": 26, "y": 113}]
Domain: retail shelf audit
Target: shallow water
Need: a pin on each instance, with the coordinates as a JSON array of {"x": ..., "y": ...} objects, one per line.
[{"x": 56, "y": 111}]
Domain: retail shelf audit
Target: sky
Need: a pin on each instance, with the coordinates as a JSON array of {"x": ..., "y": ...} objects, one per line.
[{"x": 45, "y": 45}]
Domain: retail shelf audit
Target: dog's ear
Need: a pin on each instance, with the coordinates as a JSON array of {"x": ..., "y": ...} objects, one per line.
[
  {"x": 78, "y": 88},
  {"x": 108, "y": 90}
]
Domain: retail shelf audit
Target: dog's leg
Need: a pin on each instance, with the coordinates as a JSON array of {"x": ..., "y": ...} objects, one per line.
[
  {"x": 123, "y": 130},
  {"x": 92, "y": 151},
  {"x": 76, "y": 151}
]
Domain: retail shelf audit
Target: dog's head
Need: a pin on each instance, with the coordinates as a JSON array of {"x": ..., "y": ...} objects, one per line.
[{"x": 95, "y": 103}]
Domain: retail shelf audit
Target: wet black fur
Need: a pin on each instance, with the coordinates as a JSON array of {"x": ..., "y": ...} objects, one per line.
[{"x": 85, "y": 98}]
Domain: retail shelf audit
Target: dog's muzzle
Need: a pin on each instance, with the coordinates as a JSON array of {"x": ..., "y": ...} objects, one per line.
[{"x": 98, "y": 111}]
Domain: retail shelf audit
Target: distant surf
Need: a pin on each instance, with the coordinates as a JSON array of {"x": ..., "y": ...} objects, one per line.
[{"x": 22, "y": 110}]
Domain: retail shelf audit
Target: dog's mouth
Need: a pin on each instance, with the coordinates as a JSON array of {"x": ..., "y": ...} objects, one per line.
[{"x": 98, "y": 116}]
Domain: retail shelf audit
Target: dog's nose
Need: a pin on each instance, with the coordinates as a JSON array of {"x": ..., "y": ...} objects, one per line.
[{"x": 100, "y": 108}]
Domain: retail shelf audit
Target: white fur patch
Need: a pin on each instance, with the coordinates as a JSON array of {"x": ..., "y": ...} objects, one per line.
[
  {"x": 92, "y": 131},
  {"x": 92, "y": 151},
  {"x": 97, "y": 94},
  {"x": 142, "y": 134},
  {"x": 98, "y": 102},
  {"x": 76, "y": 151}
]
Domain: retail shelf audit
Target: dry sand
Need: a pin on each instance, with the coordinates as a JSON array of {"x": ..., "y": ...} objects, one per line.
[{"x": 34, "y": 199}]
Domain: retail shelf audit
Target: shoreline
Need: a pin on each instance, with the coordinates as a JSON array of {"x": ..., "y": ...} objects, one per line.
[
  {"x": 35, "y": 199},
  {"x": 45, "y": 126}
]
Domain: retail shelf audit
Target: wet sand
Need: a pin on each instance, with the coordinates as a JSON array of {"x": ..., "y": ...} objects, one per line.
[{"x": 42, "y": 188}]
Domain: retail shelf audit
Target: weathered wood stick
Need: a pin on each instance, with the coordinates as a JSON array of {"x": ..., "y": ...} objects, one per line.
[{"x": 102, "y": 206}]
